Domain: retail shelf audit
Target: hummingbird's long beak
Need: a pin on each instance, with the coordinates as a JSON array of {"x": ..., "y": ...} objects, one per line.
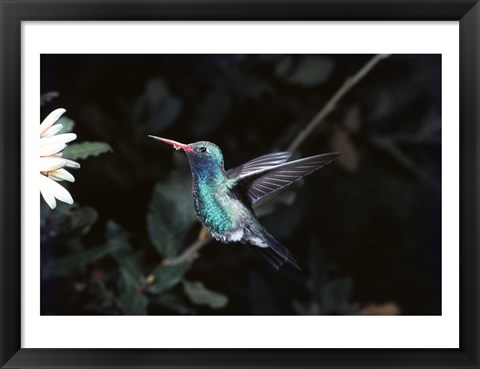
[{"x": 176, "y": 145}]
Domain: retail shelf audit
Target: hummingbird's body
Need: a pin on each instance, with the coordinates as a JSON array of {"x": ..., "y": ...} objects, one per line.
[
  {"x": 218, "y": 204},
  {"x": 224, "y": 200}
]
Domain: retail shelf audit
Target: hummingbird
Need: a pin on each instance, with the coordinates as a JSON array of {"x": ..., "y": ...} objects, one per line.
[{"x": 223, "y": 199}]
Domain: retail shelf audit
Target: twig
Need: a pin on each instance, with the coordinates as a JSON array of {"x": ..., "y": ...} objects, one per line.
[
  {"x": 332, "y": 103},
  {"x": 188, "y": 255},
  {"x": 204, "y": 237}
]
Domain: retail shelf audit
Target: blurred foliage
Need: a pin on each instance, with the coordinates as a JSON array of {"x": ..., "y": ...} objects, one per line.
[
  {"x": 76, "y": 151},
  {"x": 365, "y": 229},
  {"x": 171, "y": 213},
  {"x": 198, "y": 294},
  {"x": 308, "y": 72},
  {"x": 85, "y": 149},
  {"x": 66, "y": 122}
]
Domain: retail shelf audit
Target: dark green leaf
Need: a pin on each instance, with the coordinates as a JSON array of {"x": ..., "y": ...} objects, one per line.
[
  {"x": 129, "y": 265},
  {"x": 124, "y": 255},
  {"x": 82, "y": 219},
  {"x": 167, "y": 276},
  {"x": 160, "y": 230},
  {"x": 85, "y": 149},
  {"x": 131, "y": 300},
  {"x": 172, "y": 301},
  {"x": 171, "y": 213},
  {"x": 67, "y": 124},
  {"x": 335, "y": 295},
  {"x": 200, "y": 295},
  {"x": 71, "y": 221},
  {"x": 66, "y": 264},
  {"x": 312, "y": 71},
  {"x": 156, "y": 109}
]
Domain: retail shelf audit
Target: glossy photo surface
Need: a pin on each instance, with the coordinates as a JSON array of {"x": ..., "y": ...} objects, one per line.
[{"x": 362, "y": 234}]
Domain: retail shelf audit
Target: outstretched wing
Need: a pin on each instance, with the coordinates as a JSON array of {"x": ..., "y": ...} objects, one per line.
[
  {"x": 257, "y": 184},
  {"x": 261, "y": 163}
]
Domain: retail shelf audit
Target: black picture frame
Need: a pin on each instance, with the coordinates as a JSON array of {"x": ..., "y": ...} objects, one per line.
[{"x": 467, "y": 12}]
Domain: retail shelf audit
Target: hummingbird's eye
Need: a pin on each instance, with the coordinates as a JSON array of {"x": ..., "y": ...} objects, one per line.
[{"x": 202, "y": 149}]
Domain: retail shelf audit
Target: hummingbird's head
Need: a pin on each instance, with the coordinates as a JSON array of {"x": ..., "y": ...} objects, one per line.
[{"x": 201, "y": 154}]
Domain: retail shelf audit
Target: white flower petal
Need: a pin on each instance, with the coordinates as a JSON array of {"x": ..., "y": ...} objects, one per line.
[
  {"x": 61, "y": 175},
  {"x": 49, "y": 199},
  {"x": 51, "y": 187},
  {"x": 53, "y": 148},
  {"x": 53, "y": 130},
  {"x": 50, "y": 120},
  {"x": 50, "y": 163},
  {"x": 62, "y": 138},
  {"x": 72, "y": 164},
  {"x": 46, "y": 194}
]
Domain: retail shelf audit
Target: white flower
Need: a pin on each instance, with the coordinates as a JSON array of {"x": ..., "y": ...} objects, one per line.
[{"x": 51, "y": 162}]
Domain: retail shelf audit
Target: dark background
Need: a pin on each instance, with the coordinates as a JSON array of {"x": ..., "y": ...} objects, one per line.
[{"x": 365, "y": 229}]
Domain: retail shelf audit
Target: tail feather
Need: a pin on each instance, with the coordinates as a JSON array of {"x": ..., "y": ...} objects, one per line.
[{"x": 276, "y": 254}]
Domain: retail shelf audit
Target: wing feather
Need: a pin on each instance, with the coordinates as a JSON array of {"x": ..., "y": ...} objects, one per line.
[
  {"x": 259, "y": 182},
  {"x": 258, "y": 164}
]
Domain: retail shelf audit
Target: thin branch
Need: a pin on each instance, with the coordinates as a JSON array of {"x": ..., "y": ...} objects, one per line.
[
  {"x": 332, "y": 103},
  {"x": 190, "y": 253}
]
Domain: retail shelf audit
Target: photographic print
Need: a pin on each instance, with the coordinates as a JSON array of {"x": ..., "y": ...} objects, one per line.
[
  {"x": 240, "y": 184},
  {"x": 305, "y": 172}
]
